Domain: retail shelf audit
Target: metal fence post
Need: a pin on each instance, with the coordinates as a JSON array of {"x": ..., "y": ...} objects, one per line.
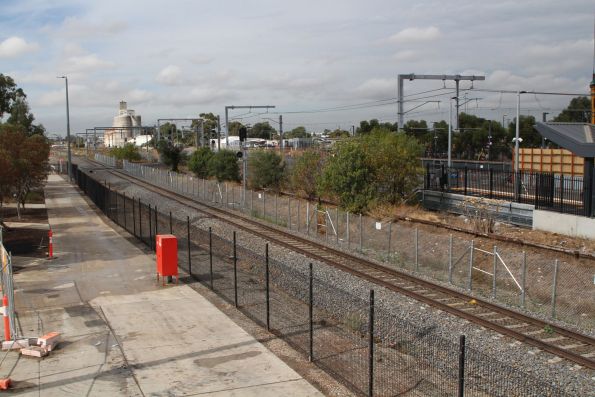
[
  {"x": 211, "y": 256},
  {"x": 495, "y": 276},
  {"x": 361, "y": 234},
  {"x": 554, "y": 289},
  {"x": 124, "y": 210},
  {"x": 390, "y": 231},
  {"x": 155, "y": 235},
  {"x": 416, "y": 238},
  {"x": 235, "y": 271},
  {"x": 450, "y": 258},
  {"x": 298, "y": 215},
  {"x": 465, "y": 181},
  {"x": 264, "y": 205},
  {"x": 308, "y": 218},
  {"x": 171, "y": 224},
  {"x": 140, "y": 220},
  {"x": 337, "y": 226},
  {"x": 289, "y": 212},
  {"x": 311, "y": 314},
  {"x": 491, "y": 182},
  {"x": 371, "y": 346},
  {"x": 150, "y": 228},
  {"x": 133, "y": 218},
  {"x": 117, "y": 215},
  {"x": 188, "y": 239},
  {"x": 348, "y": 236},
  {"x": 523, "y": 279},
  {"x": 267, "y": 290},
  {"x": 461, "y": 391},
  {"x": 470, "y": 277}
]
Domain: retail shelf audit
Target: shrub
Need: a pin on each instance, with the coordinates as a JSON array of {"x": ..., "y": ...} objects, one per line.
[
  {"x": 127, "y": 152},
  {"x": 199, "y": 162},
  {"x": 380, "y": 167},
  {"x": 348, "y": 177},
  {"x": 305, "y": 173},
  {"x": 223, "y": 165},
  {"x": 170, "y": 154},
  {"x": 266, "y": 170}
]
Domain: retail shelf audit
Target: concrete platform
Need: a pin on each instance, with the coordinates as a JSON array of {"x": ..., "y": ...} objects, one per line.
[{"x": 124, "y": 334}]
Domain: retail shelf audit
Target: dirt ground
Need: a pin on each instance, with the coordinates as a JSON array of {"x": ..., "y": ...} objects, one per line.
[
  {"x": 586, "y": 246},
  {"x": 25, "y": 241}
]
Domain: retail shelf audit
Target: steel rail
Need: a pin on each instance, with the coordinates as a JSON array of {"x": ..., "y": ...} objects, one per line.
[{"x": 273, "y": 234}]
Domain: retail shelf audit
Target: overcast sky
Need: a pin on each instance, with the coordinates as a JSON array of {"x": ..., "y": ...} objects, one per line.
[{"x": 180, "y": 58}]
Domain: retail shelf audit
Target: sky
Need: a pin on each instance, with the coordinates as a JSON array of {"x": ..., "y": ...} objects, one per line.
[{"x": 177, "y": 59}]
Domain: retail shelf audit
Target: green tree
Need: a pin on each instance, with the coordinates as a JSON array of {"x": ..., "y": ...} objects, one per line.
[
  {"x": 262, "y": 130},
  {"x": 305, "y": 172},
  {"x": 577, "y": 111},
  {"x": 223, "y": 165},
  {"x": 394, "y": 161},
  {"x": 297, "y": 132},
  {"x": 24, "y": 162},
  {"x": 416, "y": 127},
  {"x": 8, "y": 93},
  {"x": 347, "y": 175},
  {"x": 199, "y": 162},
  {"x": 265, "y": 170},
  {"x": 170, "y": 154},
  {"x": 530, "y": 137},
  {"x": 234, "y": 128},
  {"x": 339, "y": 133},
  {"x": 127, "y": 152},
  {"x": 365, "y": 127}
]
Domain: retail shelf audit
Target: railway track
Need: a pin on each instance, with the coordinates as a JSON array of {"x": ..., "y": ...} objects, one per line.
[{"x": 557, "y": 340}]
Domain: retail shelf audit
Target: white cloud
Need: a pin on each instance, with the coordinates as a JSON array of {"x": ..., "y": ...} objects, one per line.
[
  {"x": 377, "y": 88},
  {"x": 416, "y": 34},
  {"x": 405, "y": 55},
  {"x": 15, "y": 46},
  {"x": 76, "y": 27},
  {"x": 86, "y": 63},
  {"x": 170, "y": 75}
]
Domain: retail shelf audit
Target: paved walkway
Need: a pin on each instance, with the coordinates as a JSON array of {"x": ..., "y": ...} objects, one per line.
[{"x": 124, "y": 334}]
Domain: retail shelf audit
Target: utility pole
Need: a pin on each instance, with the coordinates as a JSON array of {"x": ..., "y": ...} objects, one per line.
[
  {"x": 281, "y": 145},
  {"x": 218, "y": 133},
  {"x": 456, "y": 78},
  {"x": 542, "y": 137},
  {"x": 243, "y": 144},
  {"x": 450, "y": 132},
  {"x": 227, "y": 108},
  {"x": 68, "y": 129}
]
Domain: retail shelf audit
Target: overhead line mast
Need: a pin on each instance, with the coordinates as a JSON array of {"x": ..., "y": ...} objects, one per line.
[{"x": 456, "y": 78}]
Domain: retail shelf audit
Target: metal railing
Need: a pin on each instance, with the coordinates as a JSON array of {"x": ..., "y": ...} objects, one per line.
[
  {"x": 361, "y": 340},
  {"x": 549, "y": 191}
]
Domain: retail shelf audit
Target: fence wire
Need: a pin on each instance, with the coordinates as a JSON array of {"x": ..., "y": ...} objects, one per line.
[{"x": 368, "y": 346}]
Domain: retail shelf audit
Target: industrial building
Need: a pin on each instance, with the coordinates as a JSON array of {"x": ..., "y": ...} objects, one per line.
[{"x": 123, "y": 127}]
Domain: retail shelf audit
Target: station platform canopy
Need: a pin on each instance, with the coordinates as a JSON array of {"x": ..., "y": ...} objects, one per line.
[{"x": 576, "y": 137}]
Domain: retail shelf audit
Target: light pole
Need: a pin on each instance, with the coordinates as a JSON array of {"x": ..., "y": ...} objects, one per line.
[
  {"x": 517, "y": 130},
  {"x": 517, "y": 184},
  {"x": 503, "y": 122},
  {"x": 67, "y": 128},
  {"x": 450, "y": 131}
]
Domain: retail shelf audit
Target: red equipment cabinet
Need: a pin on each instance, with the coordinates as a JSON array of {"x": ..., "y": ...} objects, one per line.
[{"x": 167, "y": 256}]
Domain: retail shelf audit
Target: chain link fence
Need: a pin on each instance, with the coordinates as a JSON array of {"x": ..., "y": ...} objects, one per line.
[
  {"x": 360, "y": 340},
  {"x": 511, "y": 277}
]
